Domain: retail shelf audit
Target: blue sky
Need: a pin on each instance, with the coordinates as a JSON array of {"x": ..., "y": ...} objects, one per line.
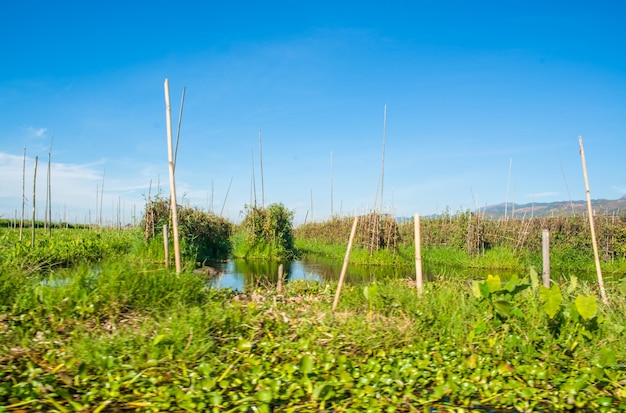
[{"x": 471, "y": 88}]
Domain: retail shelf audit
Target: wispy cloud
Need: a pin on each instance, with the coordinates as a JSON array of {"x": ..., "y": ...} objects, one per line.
[
  {"x": 619, "y": 188},
  {"x": 34, "y": 132},
  {"x": 73, "y": 186}
]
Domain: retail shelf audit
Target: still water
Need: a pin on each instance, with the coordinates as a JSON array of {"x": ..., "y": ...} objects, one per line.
[{"x": 241, "y": 274}]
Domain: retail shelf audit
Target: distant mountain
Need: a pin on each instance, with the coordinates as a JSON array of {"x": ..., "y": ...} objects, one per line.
[{"x": 560, "y": 208}]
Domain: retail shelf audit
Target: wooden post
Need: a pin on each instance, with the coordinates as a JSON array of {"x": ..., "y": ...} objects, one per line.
[
  {"x": 591, "y": 225},
  {"x": 23, "y": 193},
  {"x": 168, "y": 118},
  {"x": 545, "y": 244},
  {"x": 345, "y": 263},
  {"x": 418, "y": 256},
  {"x": 32, "y": 239},
  {"x": 166, "y": 246},
  {"x": 279, "y": 284}
]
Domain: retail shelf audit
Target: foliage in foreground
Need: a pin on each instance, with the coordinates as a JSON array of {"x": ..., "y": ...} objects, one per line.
[{"x": 133, "y": 337}]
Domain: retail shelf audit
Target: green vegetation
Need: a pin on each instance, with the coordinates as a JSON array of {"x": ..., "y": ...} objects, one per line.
[
  {"x": 125, "y": 334},
  {"x": 470, "y": 241},
  {"x": 203, "y": 235},
  {"x": 91, "y": 321},
  {"x": 265, "y": 233}
]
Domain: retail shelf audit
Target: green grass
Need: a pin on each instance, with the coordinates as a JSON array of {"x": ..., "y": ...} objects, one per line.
[{"x": 122, "y": 333}]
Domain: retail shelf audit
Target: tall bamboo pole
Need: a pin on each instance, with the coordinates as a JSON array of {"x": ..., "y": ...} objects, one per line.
[
  {"x": 419, "y": 281},
  {"x": 382, "y": 176},
  {"x": 261, "y": 162},
  {"x": 345, "y": 263},
  {"x": 508, "y": 182},
  {"x": 591, "y": 224},
  {"x": 545, "y": 248},
  {"x": 48, "y": 211},
  {"x": 180, "y": 118},
  {"x": 102, "y": 194},
  {"x": 331, "y": 184},
  {"x": 23, "y": 193},
  {"x": 170, "y": 155},
  {"x": 226, "y": 196},
  {"x": 32, "y": 239}
]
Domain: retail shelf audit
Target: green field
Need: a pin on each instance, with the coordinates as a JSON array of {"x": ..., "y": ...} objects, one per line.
[{"x": 91, "y": 321}]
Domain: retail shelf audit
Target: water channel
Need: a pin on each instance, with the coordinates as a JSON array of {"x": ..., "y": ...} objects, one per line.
[{"x": 241, "y": 274}]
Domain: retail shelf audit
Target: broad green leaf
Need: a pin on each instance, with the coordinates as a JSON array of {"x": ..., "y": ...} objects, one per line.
[
  {"x": 534, "y": 278},
  {"x": 587, "y": 306},
  {"x": 512, "y": 283},
  {"x": 476, "y": 289},
  {"x": 484, "y": 289},
  {"x": 158, "y": 339},
  {"x": 306, "y": 364},
  {"x": 552, "y": 299},
  {"x": 494, "y": 283},
  {"x": 503, "y": 307},
  {"x": 607, "y": 357}
]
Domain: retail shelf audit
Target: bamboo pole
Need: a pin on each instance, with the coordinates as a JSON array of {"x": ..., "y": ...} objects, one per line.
[
  {"x": 180, "y": 118},
  {"x": 331, "y": 184},
  {"x": 23, "y": 192},
  {"x": 102, "y": 194},
  {"x": 170, "y": 155},
  {"x": 166, "y": 246},
  {"x": 382, "y": 175},
  {"x": 419, "y": 282},
  {"x": 32, "y": 239},
  {"x": 508, "y": 182},
  {"x": 545, "y": 247},
  {"x": 345, "y": 263},
  {"x": 279, "y": 284},
  {"x": 261, "y": 163},
  {"x": 591, "y": 224},
  {"x": 226, "y": 196}
]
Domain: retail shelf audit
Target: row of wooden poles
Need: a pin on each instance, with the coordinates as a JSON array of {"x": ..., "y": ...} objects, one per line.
[{"x": 418, "y": 256}]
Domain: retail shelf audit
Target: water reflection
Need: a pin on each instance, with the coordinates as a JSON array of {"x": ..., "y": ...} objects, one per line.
[{"x": 241, "y": 274}]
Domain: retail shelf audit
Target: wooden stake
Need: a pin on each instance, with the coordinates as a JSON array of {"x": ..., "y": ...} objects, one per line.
[
  {"x": 345, "y": 263},
  {"x": 419, "y": 282},
  {"x": 32, "y": 239},
  {"x": 166, "y": 246},
  {"x": 279, "y": 284},
  {"x": 331, "y": 184},
  {"x": 23, "y": 193},
  {"x": 545, "y": 244},
  {"x": 170, "y": 155},
  {"x": 591, "y": 225}
]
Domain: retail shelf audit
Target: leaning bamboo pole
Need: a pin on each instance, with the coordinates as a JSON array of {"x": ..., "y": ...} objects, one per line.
[
  {"x": 170, "y": 155},
  {"x": 345, "y": 263},
  {"x": 591, "y": 224}
]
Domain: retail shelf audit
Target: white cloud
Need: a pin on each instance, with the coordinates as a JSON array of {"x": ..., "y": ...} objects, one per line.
[
  {"x": 620, "y": 189},
  {"x": 73, "y": 186},
  {"x": 35, "y": 132}
]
